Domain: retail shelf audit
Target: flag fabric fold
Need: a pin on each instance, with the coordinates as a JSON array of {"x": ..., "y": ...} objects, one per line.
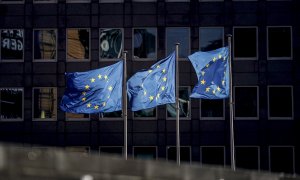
[
  {"x": 94, "y": 91},
  {"x": 154, "y": 86},
  {"x": 212, "y": 68}
]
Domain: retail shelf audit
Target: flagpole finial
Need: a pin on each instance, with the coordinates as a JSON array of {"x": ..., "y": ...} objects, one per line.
[
  {"x": 229, "y": 35},
  {"x": 125, "y": 51},
  {"x": 177, "y": 43}
]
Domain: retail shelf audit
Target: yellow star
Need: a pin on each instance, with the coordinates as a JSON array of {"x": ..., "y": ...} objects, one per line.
[
  {"x": 207, "y": 65},
  {"x": 214, "y": 59},
  {"x": 207, "y": 89},
  {"x": 84, "y": 93},
  {"x": 83, "y": 99},
  {"x": 158, "y": 66},
  {"x": 92, "y": 80},
  {"x": 88, "y": 105},
  {"x": 218, "y": 88},
  {"x": 163, "y": 88},
  {"x": 164, "y": 79},
  {"x": 202, "y": 72},
  {"x": 87, "y": 87},
  {"x": 164, "y": 70},
  {"x": 157, "y": 96},
  {"x": 203, "y": 81},
  {"x": 105, "y": 77},
  {"x": 151, "y": 98},
  {"x": 220, "y": 56},
  {"x": 149, "y": 70},
  {"x": 110, "y": 88},
  {"x": 108, "y": 97},
  {"x": 100, "y": 76},
  {"x": 96, "y": 107},
  {"x": 104, "y": 104},
  {"x": 145, "y": 93}
]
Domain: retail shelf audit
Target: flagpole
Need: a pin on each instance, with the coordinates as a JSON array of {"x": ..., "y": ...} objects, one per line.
[
  {"x": 177, "y": 106},
  {"x": 232, "y": 150},
  {"x": 124, "y": 95}
]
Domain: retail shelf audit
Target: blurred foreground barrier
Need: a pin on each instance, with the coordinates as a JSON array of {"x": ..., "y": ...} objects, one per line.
[{"x": 53, "y": 164}]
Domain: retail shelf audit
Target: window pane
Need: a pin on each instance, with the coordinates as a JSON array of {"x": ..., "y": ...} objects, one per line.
[
  {"x": 280, "y": 102},
  {"x": 78, "y": 1},
  {"x": 111, "y": 150},
  {"x": 212, "y": 155},
  {"x": 144, "y": 43},
  {"x": 115, "y": 114},
  {"x": 111, "y": 43},
  {"x": 45, "y": 104},
  {"x": 245, "y": 42},
  {"x": 44, "y": 1},
  {"x": 185, "y": 154},
  {"x": 12, "y": 41},
  {"x": 144, "y": 152},
  {"x": 78, "y": 41},
  {"x": 282, "y": 159},
  {"x": 212, "y": 108},
  {"x": 246, "y": 102},
  {"x": 247, "y": 157},
  {"x": 45, "y": 44},
  {"x": 184, "y": 104},
  {"x": 11, "y": 106},
  {"x": 210, "y": 38},
  {"x": 178, "y": 35},
  {"x": 279, "y": 42},
  {"x": 11, "y": 1},
  {"x": 151, "y": 112},
  {"x": 72, "y": 116}
]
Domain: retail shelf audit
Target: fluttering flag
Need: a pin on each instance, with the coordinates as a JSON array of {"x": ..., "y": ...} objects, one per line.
[
  {"x": 154, "y": 86},
  {"x": 212, "y": 68},
  {"x": 94, "y": 91}
]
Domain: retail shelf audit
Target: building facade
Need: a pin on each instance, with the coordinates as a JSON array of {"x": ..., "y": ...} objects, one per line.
[{"x": 43, "y": 39}]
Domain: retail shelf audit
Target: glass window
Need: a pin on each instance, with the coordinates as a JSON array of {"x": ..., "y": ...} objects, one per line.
[
  {"x": 78, "y": 1},
  {"x": 111, "y": 115},
  {"x": 246, "y": 102},
  {"x": 78, "y": 44},
  {"x": 247, "y": 157},
  {"x": 245, "y": 43},
  {"x": 144, "y": 43},
  {"x": 211, "y": 38},
  {"x": 212, "y": 109},
  {"x": 11, "y": 104},
  {"x": 44, "y": 1},
  {"x": 145, "y": 114},
  {"x": 45, "y": 103},
  {"x": 213, "y": 155},
  {"x": 184, "y": 104},
  {"x": 280, "y": 43},
  {"x": 45, "y": 44},
  {"x": 282, "y": 159},
  {"x": 145, "y": 153},
  {"x": 178, "y": 35},
  {"x": 111, "y": 1},
  {"x": 73, "y": 116},
  {"x": 209, "y": 0},
  {"x": 280, "y": 102},
  {"x": 111, "y": 150},
  {"x": 11, "y": 1},
  {"x": 12, "y": 44},
  {"x": 143, "y": 0},
  {"x": 185, "y": 154},
  {"x": 82, "y": 150},
  {"x": 111, "y": 43}
]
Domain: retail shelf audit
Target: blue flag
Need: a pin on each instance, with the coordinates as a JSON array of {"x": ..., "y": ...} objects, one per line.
[
  {"x": 154, "y": 86},
  {"x": 212, "y": 70},
  {"x": 94, "y": 91}
]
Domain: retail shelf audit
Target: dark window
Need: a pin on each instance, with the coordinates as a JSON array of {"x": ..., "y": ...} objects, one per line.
[
  {"x": 280, "y": 102},
  {"x": 282, "y": 159},
  {"x": 12, "y": 44},
  {"x": 44, "y": 44},
  {"x": 279, "y": 42},
  {"x": 145, "y": 152},
  {"x": 144, "y": 43},
  {"x": 72, "y": 116},
  {"x": 11, "y": 106},
  {"x": 78, "y": 44},
  {"x": 212, "y": 108},
  {"x": 185, "y": 154},
  {"x": 184, "y": 104},
  {"x": 111, "y": 150},
  {"x": 247, "y": 157},
  {"x": 45, "y": 103},
  {"x": 111, "y": 43},
  {"x": 82, "y": 150},
  {"x": 211, "y": 38},
  {"x": 246, "y": 104},
  {"x": 245, "y": 43},
  {"x": 115, "y": 114},
  {"x": 145, "y": 113},
  {"x": 212, "y": 155},
  {"x": 178, "y": 35}
]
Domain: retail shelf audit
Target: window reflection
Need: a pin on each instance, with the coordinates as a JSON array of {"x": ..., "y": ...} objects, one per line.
[
  {"x": 145, "y": 113},
  {"x": 111, "y": 43},
  {"x": 12, "y": 44},
  {"x": 11, "y": 103},
  {"x": 78, "y": 44},
  {"x": 144, "y": 43},
  {"x": 44, "y": 103},
  {"x": 211, "y": 38},
  {"x": 178, "y": 35},
  {"x": 184, "y": 104},
  {"x": 45, "y": 44}
]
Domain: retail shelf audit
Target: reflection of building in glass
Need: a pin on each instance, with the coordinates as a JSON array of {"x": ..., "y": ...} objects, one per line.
[
  {"x": 44, "y": 44},
  {"x": 45, "y": 104},
  {"x": 11, "y": 102},
  {"x": 144, "y": 43},
  {"x": 111, "y": 41},
  {"x": 11, "y": 44},
  {"x": 78, "y": 44}
]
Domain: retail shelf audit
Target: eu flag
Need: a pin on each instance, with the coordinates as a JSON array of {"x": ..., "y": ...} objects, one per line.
[
  {"x": 94, "y": 91},
  {"x": 212, "y": 68},
  {"x": 154, "y": 86}
]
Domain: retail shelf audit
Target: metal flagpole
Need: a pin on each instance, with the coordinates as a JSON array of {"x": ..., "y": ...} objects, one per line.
[
  {"x": 177, "y": 106},
  {"x": 124, "y": 94},
  {"x": 232, "y": 150}
]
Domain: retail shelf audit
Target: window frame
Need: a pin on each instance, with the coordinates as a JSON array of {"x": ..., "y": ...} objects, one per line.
[
  {"x": 257, "y": 105},
  {"x": 292, "y": 99},
  {"x": 122, "y": 49},
  {"x": 212, "y": 118},
  {"x": 56, "y": 46},
  {"x": 44, "y": 1},
  {"x": 12, "y": 60},
  {"x": 122, "y": 147},
  {"x": 12, "y": 2},
  {"x": 46, "y": 119},
  {"x": 224, "y": 153},
  {"x": 190, "y": 152},
  {"x": 189, "y": 39},
  {"x": 76, "y": 119},
  {"x": 189, "y": 105},
  {"x": 258, "y": 152},
  {"x": 78, "y": 1},
  {"x": 211, "y": 27},
  {"x": 279, "y": 58},
  {"x": 68, "y": 148},
  {"x": 257, "y": 44},
  {"x": 145, "y": 118},
  {"x": 111, "y": 1},
  {"x": 13, "y": 120},
  {"x": 132, "y": 44},
  {"x": 67, "y": 47},
  {"x": 278, "y": 146},
  {"x": 110, "y": 118},
  {"x": 156, "y": 153}
]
